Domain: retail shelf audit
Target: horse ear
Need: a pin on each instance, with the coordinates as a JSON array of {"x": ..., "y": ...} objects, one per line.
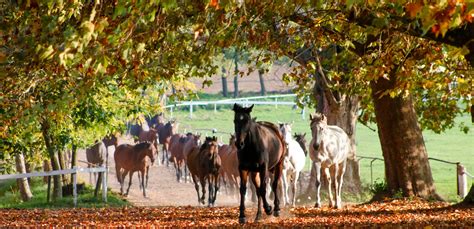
[
  {"x": 254, "y": 119},
  {"x": 311, "y": 117},
  {"x": 236, "y": 107},
  {"x": 304, "y": 134},
  {"x": 250, "y": 108}
]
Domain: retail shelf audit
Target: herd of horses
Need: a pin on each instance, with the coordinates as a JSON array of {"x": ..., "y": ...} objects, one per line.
[{"x": 265, "y": 152}]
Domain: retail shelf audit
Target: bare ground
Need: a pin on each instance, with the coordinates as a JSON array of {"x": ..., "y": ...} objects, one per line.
[{"x": 163, "y": 189}]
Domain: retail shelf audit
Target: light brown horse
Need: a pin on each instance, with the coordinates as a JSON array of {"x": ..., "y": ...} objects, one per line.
[
  {"x": 132, "y": 158},
  {"x": 230, "y": 163},
  {"x": 95, "y": 157},
  {"x": 165, "y": 131},
  {"x": 204, "y": 164},
  {"x": 177, "y": 143}
]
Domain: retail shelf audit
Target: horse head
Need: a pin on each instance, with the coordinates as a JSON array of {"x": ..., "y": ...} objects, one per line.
[
  {"x": 242, "y": 123},
  {"x": 211, "y": 147},
  {"x": 151, "y": 152},
  {"x": 232, "y": 140},
  {"x": 285, "y": 129},
  {"x": 300, "y": 138},
  {"x": 318, "y": 124}
]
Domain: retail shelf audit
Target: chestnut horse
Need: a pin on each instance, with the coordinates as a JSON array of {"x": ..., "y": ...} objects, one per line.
[
  {"x": 132, "y": 158},
  {"x": 230, "y": 163},
  {"x": 260, "y": 149},
  {"x": 204, "y": 164},
  {"x": 177, "y": 143},
  {"x": 189, "y": 146}
]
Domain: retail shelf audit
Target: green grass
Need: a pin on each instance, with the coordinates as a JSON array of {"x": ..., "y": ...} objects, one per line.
[
  {"x": 452, "y": 145},
  {"x": 10, "y": 197}
]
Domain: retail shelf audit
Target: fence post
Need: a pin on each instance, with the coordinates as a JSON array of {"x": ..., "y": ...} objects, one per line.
[
  {"x": 303, "y": 113},
  {"x": 191, "y": 109},
  {"x": 74, "y": 186},
  {"x": 462, "y": 180},
  {"x": 215, "y": 107}
]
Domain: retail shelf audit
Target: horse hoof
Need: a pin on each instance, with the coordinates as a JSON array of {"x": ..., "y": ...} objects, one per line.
[
  {"x": 268, "y": 210},
  {"x": 242, "y": 220},
  {"x": 276, "y": 213},
  {"x": 258, "y": 218},
  {"x": 317, "y": 205}
]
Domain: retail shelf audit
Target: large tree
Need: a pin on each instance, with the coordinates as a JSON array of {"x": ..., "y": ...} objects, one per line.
[{"x": 393, "y": 97}]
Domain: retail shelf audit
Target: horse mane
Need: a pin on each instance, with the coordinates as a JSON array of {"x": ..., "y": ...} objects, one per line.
[{"x": 141, "y": 146}]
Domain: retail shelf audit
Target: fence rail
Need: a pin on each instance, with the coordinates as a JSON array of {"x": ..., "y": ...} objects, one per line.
[
  {"x": 244, "y": 100},
  {"x": 461, "y": 173},
  {"x": 72, "y": 171}
]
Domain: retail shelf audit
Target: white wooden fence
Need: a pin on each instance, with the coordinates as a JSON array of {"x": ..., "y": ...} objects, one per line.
[
  {"x": 245, "y": 101},
  {"x": 72, "y": 171}
]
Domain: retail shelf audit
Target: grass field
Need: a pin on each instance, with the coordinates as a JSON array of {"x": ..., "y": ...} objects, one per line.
[
  {"x": 10, "y": 197},
  {"x": 453, "y": 145}
]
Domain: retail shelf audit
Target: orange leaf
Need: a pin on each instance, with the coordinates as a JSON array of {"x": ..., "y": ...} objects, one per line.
[
  {"x": 214, "y": 3},
  {"x": 413, "y": 8}
]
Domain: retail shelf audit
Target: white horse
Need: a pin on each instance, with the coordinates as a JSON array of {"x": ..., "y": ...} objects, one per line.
[
  {"x": 293, "y": 163},
  {"x": 328, "y": 149}
]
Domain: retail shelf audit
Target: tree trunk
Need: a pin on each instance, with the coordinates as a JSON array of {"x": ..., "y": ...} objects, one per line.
[
  {"x": 236, "y": 77},
  {"x": 22, "y": 183},
  {"x": 407, "y": 168},
  {"x": 263, "y": 91},
  {"x": 57, "y": 189},
  {"x": 469, "y": 199},
  {"x": 62, "y": 165},
  {"x": 225, "y": 91}
]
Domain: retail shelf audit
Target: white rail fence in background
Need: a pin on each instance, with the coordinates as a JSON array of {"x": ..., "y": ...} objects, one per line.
[
  {"x": 244, "y": 101},
  {"x": 461, "y": 173},
  {"x": 72, "y": 171}
]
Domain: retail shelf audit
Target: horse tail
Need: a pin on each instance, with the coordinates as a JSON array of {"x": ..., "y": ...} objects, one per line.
[{"x": 117, "y": 173}]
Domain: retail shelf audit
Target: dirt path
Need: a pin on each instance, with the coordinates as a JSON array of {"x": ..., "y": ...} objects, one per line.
[{"x": 163, "y": 189}]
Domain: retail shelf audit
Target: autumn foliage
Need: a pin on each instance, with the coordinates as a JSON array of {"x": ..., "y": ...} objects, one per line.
[{"x": 408, "y": 213}]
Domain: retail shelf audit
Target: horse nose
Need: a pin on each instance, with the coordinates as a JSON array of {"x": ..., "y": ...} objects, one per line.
[
  {"x": 241, "y": 144},
  {"x": 316, "y": 146}
]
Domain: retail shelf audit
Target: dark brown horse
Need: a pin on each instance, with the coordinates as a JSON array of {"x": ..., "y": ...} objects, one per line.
[
  {"x": 155, "y": 120},
  {"x": 177, "y": 143},
  {"x": 165, "y": 131},
  {"x": 261, "y": 149},
  {"x": 204, "y": 164},
  {"x": 132, "y": 158}
]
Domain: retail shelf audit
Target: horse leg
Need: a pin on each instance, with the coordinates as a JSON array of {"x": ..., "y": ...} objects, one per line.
[
  {"x": 340, "y": 175},
  {"x": 284, "y": 179},
  {"x": 317, "y": 169},
  {"x": 211, "y": 191},
  {"x": 203, "y": 187},
  {"x": 295, "y": 183},
  {"x": 329, "y": 177},
  {"x": 243, "y": 190},
  {"x": 122, "y": 181},
  {"x": 258, "y": 186},
  {"x": 176, "y": 167},
  {"x": 276, "y": 199},
  {"x": 196, "y": 186},
  {"x": 143, "y": 172},
  {"x": 216, "y": 188},
  {"x": 147, "y": 172},
  {"x": 129, "y": 182}
]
